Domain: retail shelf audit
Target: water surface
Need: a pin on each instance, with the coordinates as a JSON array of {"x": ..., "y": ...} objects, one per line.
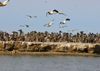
[{"x": 48, "y": 63}]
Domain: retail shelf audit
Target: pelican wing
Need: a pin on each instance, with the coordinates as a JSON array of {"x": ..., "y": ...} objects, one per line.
[
  {"x": 47, "y": 14},
  {"x": 67, "y": 19},
  {"x": 0, "y": 3},
  {"x": 27, "y": 25},
  {"x": 55, "y": 11},
  {"x": 64, "y": 14},
  {"x": 45, "y": 24},
  {"x": 35, "y": 16}
]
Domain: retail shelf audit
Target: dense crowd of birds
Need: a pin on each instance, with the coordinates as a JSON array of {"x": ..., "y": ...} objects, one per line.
[{"x": 34, "y": 36}]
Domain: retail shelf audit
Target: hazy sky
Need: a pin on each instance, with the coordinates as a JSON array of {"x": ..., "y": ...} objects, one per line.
[{"x": 84, "y": 15}]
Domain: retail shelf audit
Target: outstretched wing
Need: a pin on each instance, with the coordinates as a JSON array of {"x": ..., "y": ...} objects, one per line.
[
  {"x": 0, "y": 3},
  {"x": 55, "y": 11},
  {"x": 45, "y": 24},
  {"x": 64, "y": 14},
  {"x": 35, "y": 16},
  {"x": 67, "y": 19},
  {"x": 27, "y": 26}
]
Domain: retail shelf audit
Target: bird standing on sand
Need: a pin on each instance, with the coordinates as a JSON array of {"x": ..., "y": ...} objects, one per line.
[
  {"x": 64, "y": 22},
  {"x": 4, "y": 3},
  {"x": 31, "y": 16},
  {"x": 49, "y": 24}
]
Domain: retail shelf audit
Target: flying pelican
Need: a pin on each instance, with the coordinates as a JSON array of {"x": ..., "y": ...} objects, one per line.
[
  {"x": 31, "y": 16},
  {"x": 4, "y": 3},
  {"x": 24, "y": 26},
  {"x": 59, "y": 12},
  {"x": 49, "y": 24},
  {"x": 52, "y": 12},
  {"x": 64, "y": 22},
  {"x": 62, "y": 26}
]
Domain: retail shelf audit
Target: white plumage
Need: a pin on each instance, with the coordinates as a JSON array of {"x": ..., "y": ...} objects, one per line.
[{"x": 4, "y": 3}]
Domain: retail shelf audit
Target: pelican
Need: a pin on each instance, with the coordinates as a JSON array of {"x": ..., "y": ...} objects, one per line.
[
  {"x": 4, "y": 3},
  {"x": 31, "y": 16},
  {"x": 49, "y": 24},
  {"x": 64, "y": 22},
  {"x": 52, "y": 12},
  {"x": 62, "y": 26},
  {"x": 59, "y": 12}
]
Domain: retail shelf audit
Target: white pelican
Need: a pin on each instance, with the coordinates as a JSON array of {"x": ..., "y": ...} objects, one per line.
[
  {"x": 31, "y": 16},
  {"x": 62, "y": 26},
  {"x": 59, "y": 12},
  {"x": 4, "y": 3},
  {"x": 52, "y": 12},
  {"x": 49, "y": 24},
  {"x": 64, "y": 22}
]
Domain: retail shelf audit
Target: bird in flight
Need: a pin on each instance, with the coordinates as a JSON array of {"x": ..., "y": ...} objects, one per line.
[
  {"x": 64, "y": 22},
  {"x": 4, "y": 3},
  {"x": 73, "y": 30},
  {"x": 49, "y": 24},
  {"x": 59, "y": 12},
  {"x": 31, "y": 16},
  {"x": 52, "y": 12},
  {"x": 62, "y": 26},
  {"x": 24, "y": 26}
]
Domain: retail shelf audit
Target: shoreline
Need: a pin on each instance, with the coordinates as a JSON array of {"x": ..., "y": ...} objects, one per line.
[{"x": 51, "y": 54}]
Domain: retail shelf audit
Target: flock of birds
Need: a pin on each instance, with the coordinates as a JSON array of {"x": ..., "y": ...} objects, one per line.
[
  {"x": 56, "y": 12},
  {"x": 48, "y": 13}
]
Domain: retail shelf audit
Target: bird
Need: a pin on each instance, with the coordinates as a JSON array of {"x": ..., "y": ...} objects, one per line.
[
  {"x": 62, "y": 26},
  {"x": 59, "y": 12},
  {"x": 31, "y": 16},
  {"x": 52, "y": 12},
  {"x": 4, "y": 3},
  {"x": 73, "y": 30},
  {"x": 49, "y": 24},
  {"x": 64, "y": 22},
  {"x": 24, "y": 26},
  {"x": 27, "y": 26}
]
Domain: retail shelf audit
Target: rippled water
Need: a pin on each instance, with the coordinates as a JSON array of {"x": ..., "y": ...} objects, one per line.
[{"x": 49, "y": 63}]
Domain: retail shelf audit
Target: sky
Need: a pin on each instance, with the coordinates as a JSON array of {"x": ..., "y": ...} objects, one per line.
[{"x": 84, "y": 15}]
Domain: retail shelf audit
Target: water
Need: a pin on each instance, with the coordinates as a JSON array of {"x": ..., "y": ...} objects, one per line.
[{"x": 49, "y": 63}]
